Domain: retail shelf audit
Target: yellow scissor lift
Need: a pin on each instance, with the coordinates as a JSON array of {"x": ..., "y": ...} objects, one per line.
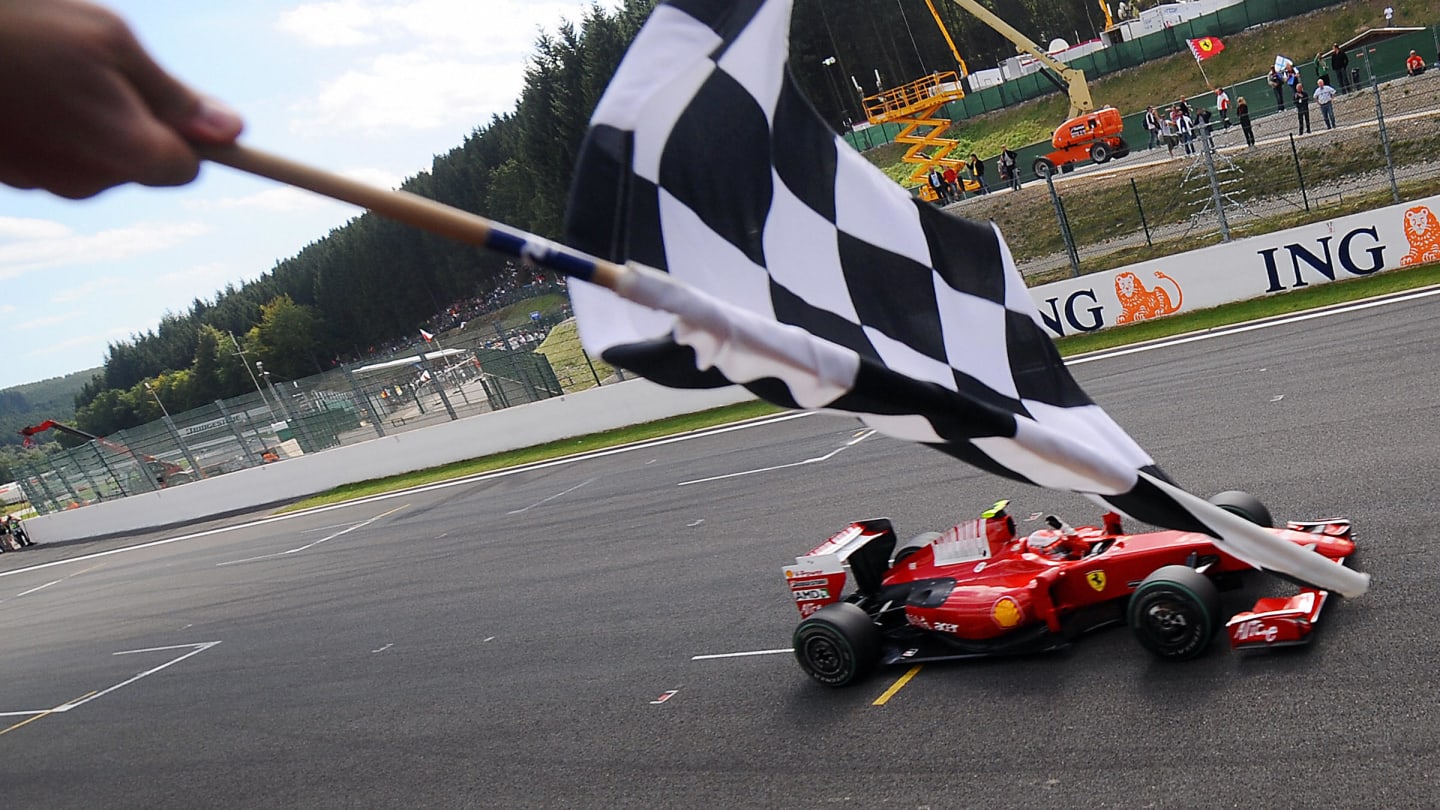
[{"x": 915, "y": 105}]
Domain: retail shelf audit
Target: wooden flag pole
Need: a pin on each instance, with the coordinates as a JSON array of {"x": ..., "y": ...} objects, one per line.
[{"x": 421, "y": 212}]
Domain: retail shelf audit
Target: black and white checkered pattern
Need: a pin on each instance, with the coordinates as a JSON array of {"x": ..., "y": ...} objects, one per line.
[{"x": 790, "y": 265}]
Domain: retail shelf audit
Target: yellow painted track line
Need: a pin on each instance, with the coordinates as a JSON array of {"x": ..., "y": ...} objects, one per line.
[
  {"x": 30, "y": 720},
  {"x": 895, "y": 687}
]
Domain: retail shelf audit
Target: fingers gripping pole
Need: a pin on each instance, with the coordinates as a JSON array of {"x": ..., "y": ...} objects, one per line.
[{"x": 420, "y": 212}]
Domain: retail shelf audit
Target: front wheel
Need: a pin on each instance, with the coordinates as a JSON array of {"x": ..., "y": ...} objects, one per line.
[
  {"x": 838, "y": 644},
  {"x": 1099, "y": 151},
  {"x": 1245, "y": 505},
  {"x": 1043, "y": 168},
  {"x": 1174, "y": 612}
]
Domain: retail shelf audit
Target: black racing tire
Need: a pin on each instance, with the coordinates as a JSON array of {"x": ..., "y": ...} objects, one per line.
[
  {"x": 913, "y": 545},
  {"x": 838, "y": 644},
  {"x": 1245, "y": 505},
  {"x": 1099, "y": 151},
  {"x": 1174, "y": 613},
  {"x": 1042, "y": 167}
]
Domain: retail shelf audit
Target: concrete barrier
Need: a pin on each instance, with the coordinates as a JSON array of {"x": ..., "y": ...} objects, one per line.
[{"x": 605, "y": 408}]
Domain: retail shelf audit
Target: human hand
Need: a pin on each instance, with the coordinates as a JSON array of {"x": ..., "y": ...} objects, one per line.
[{"x": 86, "y": 108}]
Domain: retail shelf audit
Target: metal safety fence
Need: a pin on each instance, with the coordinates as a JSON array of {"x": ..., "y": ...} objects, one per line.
[
  {"x": 1377, "y": 149},
  {"x": 476, "y": 367}
]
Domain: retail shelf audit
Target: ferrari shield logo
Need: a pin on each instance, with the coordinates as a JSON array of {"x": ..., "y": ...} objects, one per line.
[{"x": 1096, "y": 579}]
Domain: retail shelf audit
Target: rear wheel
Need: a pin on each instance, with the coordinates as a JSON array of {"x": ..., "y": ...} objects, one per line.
[
  {"x": 1043, "y": 168},
  {"x": 1245, "y": 505},
  {"x": 913, "y": 545},
  {"x": 1174, "y": 612},
  {"x": 1099, "y": 151},
  {"x": 838, "y": 644}
]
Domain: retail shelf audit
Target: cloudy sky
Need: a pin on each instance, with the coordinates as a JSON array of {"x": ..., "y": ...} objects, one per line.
[{"x": 369, "y": 88}]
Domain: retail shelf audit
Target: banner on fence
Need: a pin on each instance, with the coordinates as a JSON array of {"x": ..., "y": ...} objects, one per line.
[{"x": 1349, "y": 247}]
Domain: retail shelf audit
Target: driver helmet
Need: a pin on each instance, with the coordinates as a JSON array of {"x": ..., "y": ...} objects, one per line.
[{"x": 1050, "y": 542}]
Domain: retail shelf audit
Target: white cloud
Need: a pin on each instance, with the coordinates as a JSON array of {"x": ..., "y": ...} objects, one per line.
[
  {"x": 383, "y": 99},
  {"x": 329, "y": 25},
  {"x": 101, "y": 338},
  {"x": 62, "y": 246},
  {"x": 375, "y": 177},
  {"x": 45, "y": 321},
  {"x": 194, "y": 277},
  {"x": 282, "y": 200},
  {"x": 435, "y": 63},
  {"x": 24, "y": 228},
  {"x": 290, "y": 200},
  {"x": 69, "y": 295}
]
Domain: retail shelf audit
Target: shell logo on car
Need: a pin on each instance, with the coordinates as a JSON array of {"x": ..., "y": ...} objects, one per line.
[{"x": 1006, "y": 612}]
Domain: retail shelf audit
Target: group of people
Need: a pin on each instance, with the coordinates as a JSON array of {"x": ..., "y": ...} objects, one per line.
[
  {"x": 1181, "y": 125},
  {"x": 948, "y": 185},
  {"x": 1287, "y": 82},
  {"x": 12, "y": 535}
]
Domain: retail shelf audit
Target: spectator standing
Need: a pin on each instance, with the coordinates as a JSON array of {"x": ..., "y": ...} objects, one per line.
[
  {"x": 952, "y": 183},
  {"x": 1325, "y": 97},
  {"x": 1302, "y": 107},
  {"x": 1339, "y": 61},
  {"x": 1222, "y": 106},
  {"x": 977, "y": 171},
  {"x": 1152, "y": 126},
  {"x": 1186, "y": 128},
  {"x": 1414, "y": 64},
  {"x": 1276, "y": 84},
  {"x": 1202, "y": 125},
  {"x": 1242, "y": 113},
  {"x": 1009, "y": 168},
  {"x": 1168, "y": 134},
  {"x": 937, "y": 185}
]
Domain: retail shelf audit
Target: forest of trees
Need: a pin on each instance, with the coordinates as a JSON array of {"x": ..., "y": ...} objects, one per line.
[{"x": 374, "y": 280}]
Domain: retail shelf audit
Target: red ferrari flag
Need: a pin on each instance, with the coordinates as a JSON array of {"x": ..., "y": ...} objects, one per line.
[{"x": 1205, "y": 47}]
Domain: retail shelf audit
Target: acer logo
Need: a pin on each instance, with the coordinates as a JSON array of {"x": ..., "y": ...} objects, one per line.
[{"x": 1254, "y": 630}]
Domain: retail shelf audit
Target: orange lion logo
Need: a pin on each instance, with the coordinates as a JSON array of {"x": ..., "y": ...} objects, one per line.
[
  {"x": 1422, "y": 231},
  {"x": 1139, "y": 304}
]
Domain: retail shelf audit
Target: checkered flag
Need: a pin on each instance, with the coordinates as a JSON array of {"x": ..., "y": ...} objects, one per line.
[{"x": 766, "y": 253}]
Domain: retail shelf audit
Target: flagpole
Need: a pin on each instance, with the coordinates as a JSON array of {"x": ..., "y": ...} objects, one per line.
[
  {"x": 1200, "y": 65},
  {"x": 423, "y": 213}
]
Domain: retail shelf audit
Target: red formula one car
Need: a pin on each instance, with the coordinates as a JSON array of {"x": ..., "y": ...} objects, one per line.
[{"x": 982, "y": 589}]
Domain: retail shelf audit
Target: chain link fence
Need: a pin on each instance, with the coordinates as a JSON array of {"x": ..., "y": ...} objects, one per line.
[
  {"x": 475, "y": 367},
  {"x": 1159, "y": 201}
]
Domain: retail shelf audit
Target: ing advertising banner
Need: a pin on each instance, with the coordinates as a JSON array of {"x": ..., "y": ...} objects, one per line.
[{"x": 1355, "y": 246}]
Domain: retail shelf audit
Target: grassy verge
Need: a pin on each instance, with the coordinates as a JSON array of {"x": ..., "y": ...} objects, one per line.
[
  {"x": 575, "y": 371},
  {"x": 1311, "y": 298}
]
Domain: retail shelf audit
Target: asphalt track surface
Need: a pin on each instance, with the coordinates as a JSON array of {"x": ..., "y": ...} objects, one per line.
[{"x": 530, "y": 640}]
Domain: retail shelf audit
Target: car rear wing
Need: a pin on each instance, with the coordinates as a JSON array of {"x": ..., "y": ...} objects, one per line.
[{"x": 818, "y": 577}]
